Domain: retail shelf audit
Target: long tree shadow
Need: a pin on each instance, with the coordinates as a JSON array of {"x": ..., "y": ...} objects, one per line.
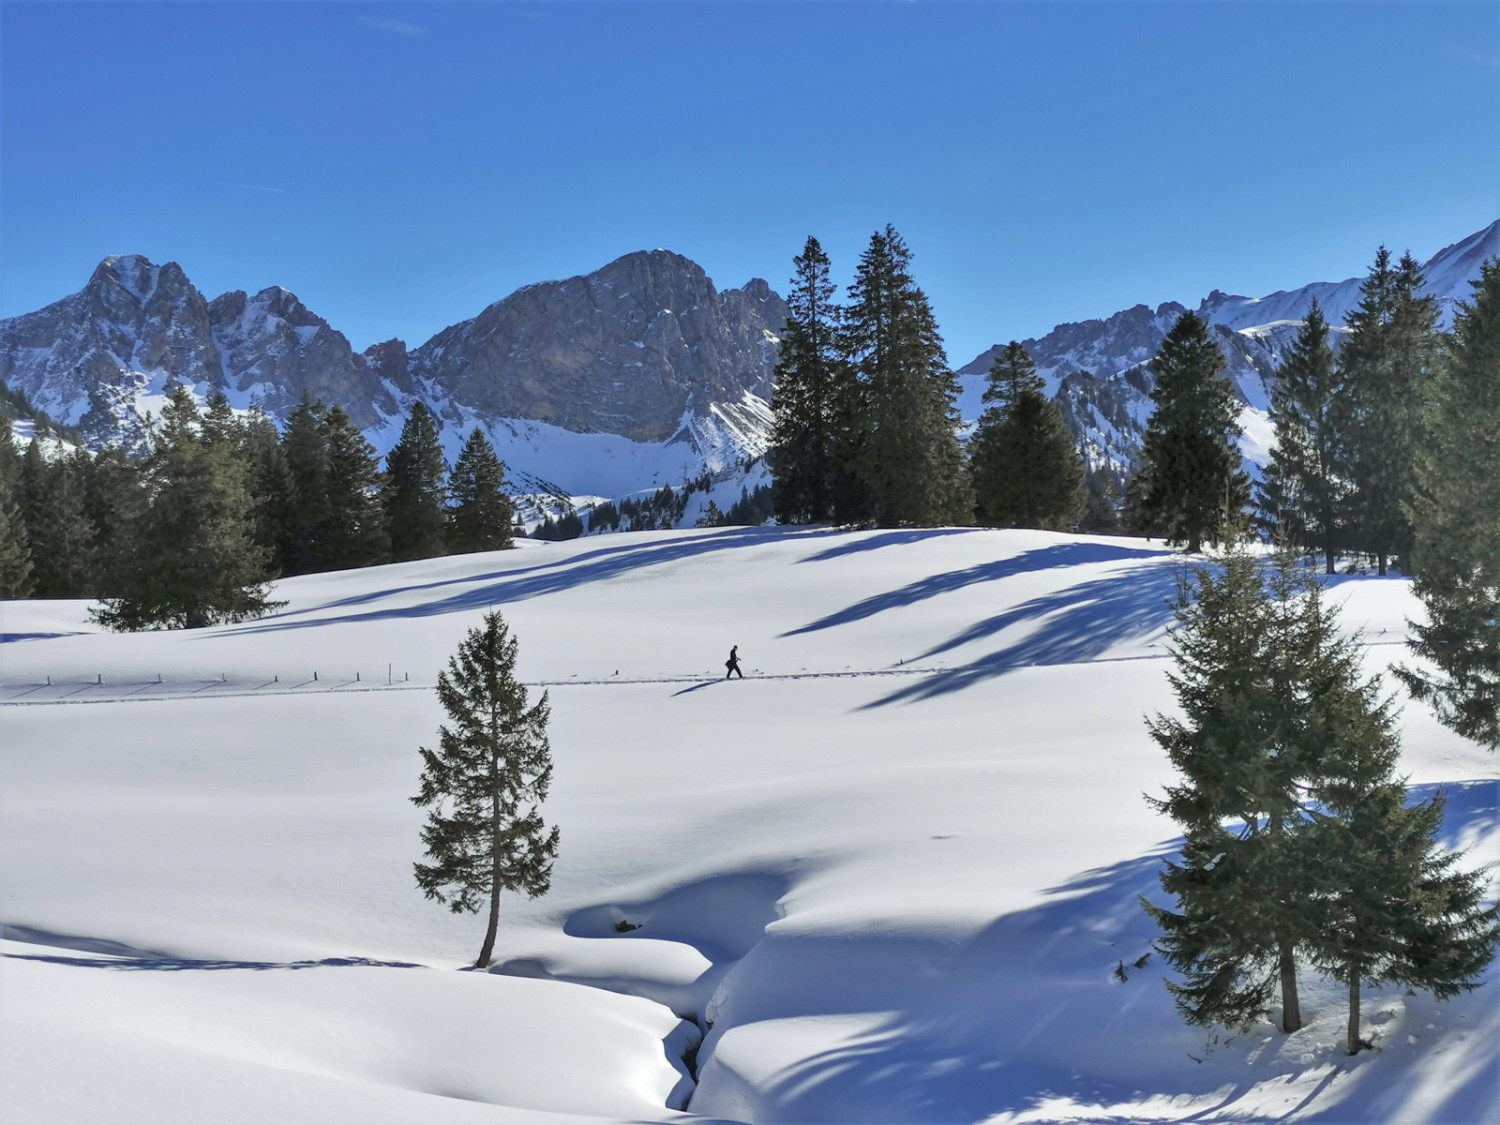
[
  {"x": 502, "y": 587},
  {"x": 1072, "y": 625},
  {"x": 879, "y": 539},
  {"x": 1064, "y": 1005},
  {"x": 1041, "y": 558}
]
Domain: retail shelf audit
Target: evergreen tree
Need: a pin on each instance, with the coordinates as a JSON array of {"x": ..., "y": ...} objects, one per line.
[
  {"x": 809, "y": 380},
  {"x": 484, "y": 784},
  {"x": 58, "y": 530},
  {"x": 479, "y": 511},
  {"x": 1189, "y": 482},
  {"x": 1456, "y": 557},
  {"x": 1304, "y": 491},
  {"x": 10, "y": 463},
  {"x": 15, "y": 553},
  {"x": 416, "y": 473},
  {"x": 355, "y": 533},
  {"x": 909, "y": 459},
  {"x": 1027, "y": 470},
  {"x": 115, "y": 502},
  {"x": 220, "y": 428},
  {"x": 1392, "y": 907},
  {"x": 194, "y": 561},
  {"x": 1385, "y": 364},
  {"x": 273, "y": 489},
  {"x": 305, "y": 447}
]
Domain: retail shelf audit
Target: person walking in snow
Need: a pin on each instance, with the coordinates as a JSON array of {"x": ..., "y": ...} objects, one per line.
[{"x": 733, "y": 663}]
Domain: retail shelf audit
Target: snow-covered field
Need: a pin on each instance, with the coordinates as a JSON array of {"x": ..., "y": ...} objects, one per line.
[{"x": 892, "y": 873}]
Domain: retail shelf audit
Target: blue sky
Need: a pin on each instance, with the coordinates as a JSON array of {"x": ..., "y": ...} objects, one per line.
[{"x": 400, "y": 166}]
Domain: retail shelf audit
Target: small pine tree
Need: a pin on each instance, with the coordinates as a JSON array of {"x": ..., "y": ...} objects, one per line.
[
  {"x": 1456, "y": 556},
  {"x": 416, "y": 476},
  {"x": 484, "y": 784},
  {"x": 1026, "y": 468},
  {"x": 1188, "y": 473},
  {"x": 479, "y": 511}
]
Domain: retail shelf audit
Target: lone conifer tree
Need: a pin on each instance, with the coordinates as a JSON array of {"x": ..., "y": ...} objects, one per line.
[
  {"x": 479, "y": 511},
  {"x": 1026, "y": 466},
  {"x": 1189, "y": 480},
  {"x": 484, "y": 784},
  {"x": 1456, "y": 558},
  {"x": 1304, "y": 492},
  {"x": 416, "y": 480}
]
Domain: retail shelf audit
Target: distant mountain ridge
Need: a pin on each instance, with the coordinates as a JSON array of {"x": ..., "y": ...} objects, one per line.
[{"x": 639, "y": 374}]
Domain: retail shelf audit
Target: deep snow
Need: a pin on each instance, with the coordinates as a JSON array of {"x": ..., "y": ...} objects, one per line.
[{"x": 892, "y": 873}]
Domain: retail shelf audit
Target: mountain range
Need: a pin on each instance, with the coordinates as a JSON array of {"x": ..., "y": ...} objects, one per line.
[{"x": 639, "y": 374}]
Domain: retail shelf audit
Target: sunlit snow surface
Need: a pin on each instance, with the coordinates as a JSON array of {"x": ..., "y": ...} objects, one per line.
[{"x": 893, "y": 872}]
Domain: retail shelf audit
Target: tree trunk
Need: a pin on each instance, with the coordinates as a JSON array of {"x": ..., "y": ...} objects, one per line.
[
  {"x": 1381, "y": 560},
  {"x": 1328, "y": 556},
  {"x": 1354, "y": 1043},
  {"x": 489, "y": 934},
  {"x": 1291, "y": 1005}
]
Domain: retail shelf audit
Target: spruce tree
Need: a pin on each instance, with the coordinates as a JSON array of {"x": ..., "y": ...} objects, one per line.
[
  {"x": 1304, "y": 491},
  {"x": 1189, "y": 483},
  {"x": 355, "y": 533},
  {"x": 479, "y": 511},
  {"x": 273, "y": 489},
  {"x": 484, "y": 784},
  {"x": 15, "y": 553},
  {"x": 415, "y": 478},
  {"x": 1026, "y": 467},
  {"x": 909, "y": 459},
  {"x": 809, "y": 381},
  {"x": 10, "y": 462},
  {"x": 193, "y": 560},
  {"x": 58, "y": 530},
  {"x": 1385, "y": 365},
  {"x": 305, "y": 448},
  {"x": 1456, "y": 519},
  {"x": 115, "y": 501}
]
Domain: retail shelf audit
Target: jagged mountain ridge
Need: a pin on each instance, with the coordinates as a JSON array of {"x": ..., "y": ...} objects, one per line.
[
  {"x": 1097, "y": 368},
  {"x": 639, "y": 374}
]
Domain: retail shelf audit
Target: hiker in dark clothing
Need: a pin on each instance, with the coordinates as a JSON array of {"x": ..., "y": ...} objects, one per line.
[{"x": 733, "y": 663}]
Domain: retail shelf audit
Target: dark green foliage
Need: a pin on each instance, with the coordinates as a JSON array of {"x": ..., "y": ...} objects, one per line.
[
  {"x": 484, "y": 784},
  {"x": 1385, "y": 365},
  {"x": 58, "y": 530},
  {"x": 479, "y": 511},
  {"x": 907, "y": 456},
  {"x": 355, "y": 532},
  {"x": 15, "y": 553},
  {"x": 604, "y": 517},
  {"x": 416, "y": 476},
  {"x": 1104, "y": 495},
  {"x": 115, "y": 502},
  {"x": 752, "y": 509},
  {"x": 308, "y": 515},
  {"x": 1026, "y": 468},
  {"x": 193, "y": 559},
  {"x": 711, "y": 517},
  {"x": 273, "y": 489},
  {"x": 1456, "y": 519},
  {"x": 1189, "y": 484},
  {"x": 568, "y": 525},
  {"x": 809, "y": 382},
  {"x": 10, "y": 463},
  {"x": 1304, "y": 492}
]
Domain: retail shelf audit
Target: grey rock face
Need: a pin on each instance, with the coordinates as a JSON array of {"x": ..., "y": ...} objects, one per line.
[
  {"x": 628, "y": 349},
  {"x": 131, "y": 316}
]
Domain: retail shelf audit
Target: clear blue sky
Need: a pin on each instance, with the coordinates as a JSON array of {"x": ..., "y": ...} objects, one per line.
[{"x": 400, "y": 166}]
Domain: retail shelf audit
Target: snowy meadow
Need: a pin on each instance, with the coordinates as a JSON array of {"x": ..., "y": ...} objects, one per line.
[{"x": 892, "y": 876}]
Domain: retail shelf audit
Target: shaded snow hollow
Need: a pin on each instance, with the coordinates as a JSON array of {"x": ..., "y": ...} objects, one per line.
[{"x": 891, "y": 874}]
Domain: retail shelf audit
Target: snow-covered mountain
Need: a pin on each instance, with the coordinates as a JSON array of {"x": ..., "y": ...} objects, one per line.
[
  {"x": 1097, "y": 367},
  {"x": 637, "y": 375}
]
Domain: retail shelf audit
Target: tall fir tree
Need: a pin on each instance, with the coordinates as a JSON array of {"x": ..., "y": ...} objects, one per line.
[
  {"x": 809, "y": 383},
  {"x": 1304, "y": 491},
  {"x": 273, "y": 488},
  {"x": 484, "y": 785},
  {"x": 1026, "y": 466},
  {"x": 1385, "y": 364},
  {"x": 1189, "y": 484},
  {"x": 194, "y": 561},
  {"x": 116, "y": 502},
  {"x": 355, "y": 534},
  {"x": 305, "y": 449},
  {"x": 58, "y": 530},
  {"x": 416, "y": 476},
  {"x": 479, "y": 511},
  {"x": 1456, "y": 520},
  {"x": 10, "y": 462},
  {"x": 15, "y": 553},
  {"x": 910, "y": 461}
]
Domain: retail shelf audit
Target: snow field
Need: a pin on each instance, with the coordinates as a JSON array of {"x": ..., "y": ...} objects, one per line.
[{"x": 891, "y": 875}]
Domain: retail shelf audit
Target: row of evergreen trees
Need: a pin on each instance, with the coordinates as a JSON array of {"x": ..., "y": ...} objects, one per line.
[
  {"x": 191, "y": 533},
  {"x": 1299, "y": 842}
]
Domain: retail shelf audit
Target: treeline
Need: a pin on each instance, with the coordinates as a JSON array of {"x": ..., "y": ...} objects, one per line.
[
  {"x": 662, "y": 510},
  {"x": 866, "y": 426},
  {"x": 192, "y": 533}
]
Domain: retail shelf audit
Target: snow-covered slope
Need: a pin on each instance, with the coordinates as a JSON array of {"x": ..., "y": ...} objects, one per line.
[{"x": 891, "y": 874}]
